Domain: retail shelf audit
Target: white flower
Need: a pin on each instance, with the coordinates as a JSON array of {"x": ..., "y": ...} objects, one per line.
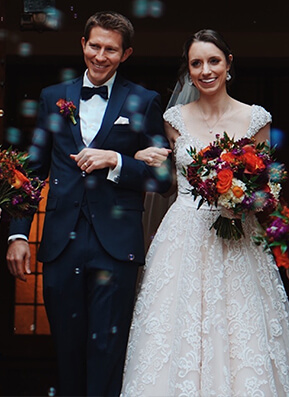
[
  {"x": 275, "y": 189},
  {"x": 229, "y": 200}
]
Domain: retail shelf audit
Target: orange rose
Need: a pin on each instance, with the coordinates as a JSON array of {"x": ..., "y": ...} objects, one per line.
[
  {"x": 249, "y": 148},
  {"x": 224, "y": 181},
  {"x": 229, "y": 157},
  {"x": 238, "y": 191},
  {"x": 201, "y": 152},
  {"x": 18, "y": 179},
  {"x": 281, "y": 259},
  {"x": 253, "y": 163}
]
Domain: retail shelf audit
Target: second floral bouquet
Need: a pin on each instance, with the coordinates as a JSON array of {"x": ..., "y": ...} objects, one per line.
[{"x": 240, "y": 176}]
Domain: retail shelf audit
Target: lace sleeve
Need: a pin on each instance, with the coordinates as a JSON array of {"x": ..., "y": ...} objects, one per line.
[
  {"x": 173, "y": 117},
  {"x": 259, "y": 118}
]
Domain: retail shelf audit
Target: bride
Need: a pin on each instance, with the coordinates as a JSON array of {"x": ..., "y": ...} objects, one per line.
[{"x": 211, "y": 318}]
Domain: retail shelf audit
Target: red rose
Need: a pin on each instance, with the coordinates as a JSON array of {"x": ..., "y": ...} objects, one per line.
[{"x": 252, "y": 163}]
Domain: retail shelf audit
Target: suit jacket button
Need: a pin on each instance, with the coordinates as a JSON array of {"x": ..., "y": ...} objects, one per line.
[{"x": 116, "y": 178}]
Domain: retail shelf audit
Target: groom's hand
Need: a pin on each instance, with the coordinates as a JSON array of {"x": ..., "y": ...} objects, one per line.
[
  {"x": 18, "y": 259},
  {"x": 90, "y": 159}
]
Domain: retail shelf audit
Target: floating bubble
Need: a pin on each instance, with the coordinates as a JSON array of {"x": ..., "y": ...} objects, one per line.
[
  {"x": 260, "y": 200},
  {"x": 13, "y": 135},
  {"x": 137, "y": 122},
  {"x": 278, "y": 138},
  {"x": 158, "y": 141},
  {"x": 25, "y": 49},
  {"x": 53, "y": 18},
  {"x": 156, "y": 8},
  {"x": 51, "y": 392},
  {"x": 34, "y": 153},
  {"x": 133, "y": 103},
  {"x": 140, "y": 8},
  {"x": 276, "y": 172},
  {"x": 28, "y": 108},
  {"x": 114, "y": 329},
  {"x": 72, "y": 235},
  {"x": 54, "y": 122},
  {"x": 103, "y": 277},
  {"x": 162, "y": 172},
  {"x": 91, "y": 182},
  {"x": 67, "y": 74},
  {"x": 117, "y": 212},
  {"x": 39, "y": 137},
  {"x": 151, "y": 185}
]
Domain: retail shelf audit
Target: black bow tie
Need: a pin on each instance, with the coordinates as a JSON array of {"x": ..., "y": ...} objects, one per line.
[{"x": 88, "y": 92}]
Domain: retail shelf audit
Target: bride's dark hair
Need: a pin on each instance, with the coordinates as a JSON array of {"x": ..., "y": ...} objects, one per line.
[{"x": 208, "y": 36}]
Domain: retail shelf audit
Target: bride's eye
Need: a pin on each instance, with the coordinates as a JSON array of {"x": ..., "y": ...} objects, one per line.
[
  {"x": 195, "y": 64},
  {"x": 214, "y": 61}
]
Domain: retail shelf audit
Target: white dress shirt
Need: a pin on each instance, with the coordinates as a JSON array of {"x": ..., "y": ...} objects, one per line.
[{"x": 91, "y": 120}]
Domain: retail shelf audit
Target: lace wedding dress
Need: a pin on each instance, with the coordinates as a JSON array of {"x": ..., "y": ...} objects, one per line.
[{"x": 211, "y": 318}]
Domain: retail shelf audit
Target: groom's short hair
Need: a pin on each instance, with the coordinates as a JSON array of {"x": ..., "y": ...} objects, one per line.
[{"x": 111, "y": 20}]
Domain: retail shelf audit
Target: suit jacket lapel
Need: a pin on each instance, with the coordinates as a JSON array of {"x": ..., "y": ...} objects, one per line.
[
  {"x": 73, "y": 94},
  {"x": 118, "y": 95}
]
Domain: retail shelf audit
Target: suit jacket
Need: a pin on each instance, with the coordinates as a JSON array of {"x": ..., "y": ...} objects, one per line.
[{"x": 115, "y": 209}]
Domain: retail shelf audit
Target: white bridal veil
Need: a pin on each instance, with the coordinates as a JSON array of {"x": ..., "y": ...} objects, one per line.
[{"x": 155, "y": 204}]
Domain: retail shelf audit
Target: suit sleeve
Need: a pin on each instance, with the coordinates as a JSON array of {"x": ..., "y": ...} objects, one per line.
[
  {"x": 40, "y": 152},
  {"x": 136, "y": 174}
]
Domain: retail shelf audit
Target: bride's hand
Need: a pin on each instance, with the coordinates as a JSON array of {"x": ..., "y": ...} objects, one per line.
[{"x": 153, "y": 156}]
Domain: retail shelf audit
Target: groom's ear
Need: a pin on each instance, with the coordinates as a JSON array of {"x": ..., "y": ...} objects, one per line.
[{"x": 127, "y": 53}]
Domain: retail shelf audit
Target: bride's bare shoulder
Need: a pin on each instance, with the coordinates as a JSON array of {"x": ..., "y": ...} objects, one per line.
[
  {"x": 189, "y": 108},
  {"x": 242, "y": 107}
]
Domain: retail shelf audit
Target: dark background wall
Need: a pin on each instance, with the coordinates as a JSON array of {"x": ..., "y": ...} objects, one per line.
[{"x": 32, "y": 57}]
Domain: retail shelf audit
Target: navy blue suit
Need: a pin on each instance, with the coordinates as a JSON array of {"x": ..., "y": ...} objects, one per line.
[{"x": 92, "y": 241}]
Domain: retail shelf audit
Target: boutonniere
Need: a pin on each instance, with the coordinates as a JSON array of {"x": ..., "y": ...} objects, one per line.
[{"x": 67, "y": 108}]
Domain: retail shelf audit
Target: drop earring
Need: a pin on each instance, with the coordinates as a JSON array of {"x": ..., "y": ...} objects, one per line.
[
  {"x": 228, "y": 77},
  {"x": 190, "y": 80}
]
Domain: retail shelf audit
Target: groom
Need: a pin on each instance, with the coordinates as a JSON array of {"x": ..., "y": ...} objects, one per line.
[{"x": 92, "y": 243}]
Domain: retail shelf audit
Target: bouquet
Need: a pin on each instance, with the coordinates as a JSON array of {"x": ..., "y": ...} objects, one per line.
[
  {"x": 275, "y": 235},
  {"x": 239, "y": 176},
  {"x": 20, "y": 193}
]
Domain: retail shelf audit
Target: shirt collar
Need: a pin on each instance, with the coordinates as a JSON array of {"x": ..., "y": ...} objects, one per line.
[{"x": 108, "y": 83}]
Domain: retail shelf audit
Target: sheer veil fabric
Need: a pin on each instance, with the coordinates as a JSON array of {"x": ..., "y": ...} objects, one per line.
[{"x": 155, "y": 204}]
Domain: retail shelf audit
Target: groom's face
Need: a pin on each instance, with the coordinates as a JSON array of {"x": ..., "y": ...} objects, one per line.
[{"x": 103, "y": 52}]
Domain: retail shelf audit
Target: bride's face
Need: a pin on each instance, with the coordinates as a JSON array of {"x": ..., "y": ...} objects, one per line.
[{"x": 207, "y": 67}]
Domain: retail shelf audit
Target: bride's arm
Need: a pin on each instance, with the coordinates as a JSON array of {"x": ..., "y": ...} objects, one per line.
[{"x": 263, "y": 134}]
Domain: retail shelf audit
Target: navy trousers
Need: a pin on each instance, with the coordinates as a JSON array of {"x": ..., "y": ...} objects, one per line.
[{"x": 89, "y": 299}]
